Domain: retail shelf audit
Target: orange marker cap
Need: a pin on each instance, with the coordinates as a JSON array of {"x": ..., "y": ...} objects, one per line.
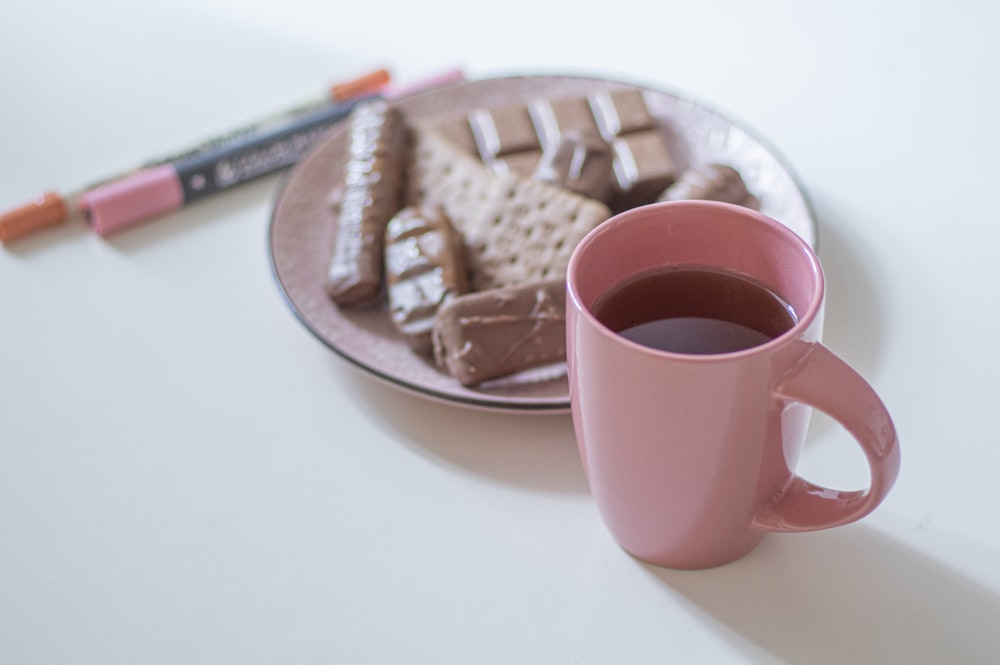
[
  {"x": 47, "y": 210},
  {"x": 362, "y": 85}
]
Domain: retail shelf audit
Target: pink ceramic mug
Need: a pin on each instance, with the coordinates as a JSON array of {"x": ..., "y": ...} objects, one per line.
[{"x": 691, "y": 458}]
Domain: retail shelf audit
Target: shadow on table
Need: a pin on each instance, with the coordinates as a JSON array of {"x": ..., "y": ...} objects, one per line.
[
  {"x": 849, "y": 595},
  {"x": 854, "y": 325},
  {"x": 535, "y": 451}
]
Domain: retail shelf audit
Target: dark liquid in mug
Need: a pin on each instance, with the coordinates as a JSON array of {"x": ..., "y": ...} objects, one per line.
[{"x": 696, "y": 310}]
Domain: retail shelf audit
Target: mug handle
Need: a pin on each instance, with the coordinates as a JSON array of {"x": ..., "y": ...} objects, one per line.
[{"x": 822, "y": 380}]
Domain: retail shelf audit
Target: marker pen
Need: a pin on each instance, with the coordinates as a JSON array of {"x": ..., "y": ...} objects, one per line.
[
  {"x": 52, "y": 208},
  {"x": 368, "y": 84},
  {"x": 160, "y": 189}
]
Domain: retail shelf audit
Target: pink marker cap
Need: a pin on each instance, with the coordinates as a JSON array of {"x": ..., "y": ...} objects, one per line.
[{"x": 132, "y": 199}]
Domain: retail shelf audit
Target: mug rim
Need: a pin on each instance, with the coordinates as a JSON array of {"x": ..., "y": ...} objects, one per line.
[{"x": 626, "y": 216}]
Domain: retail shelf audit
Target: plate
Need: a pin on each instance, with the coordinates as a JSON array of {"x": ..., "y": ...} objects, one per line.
[{"x": 303, "y": 224}]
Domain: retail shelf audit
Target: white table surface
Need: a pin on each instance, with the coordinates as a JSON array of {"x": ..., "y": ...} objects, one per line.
[{"x": 188, "y": 476}]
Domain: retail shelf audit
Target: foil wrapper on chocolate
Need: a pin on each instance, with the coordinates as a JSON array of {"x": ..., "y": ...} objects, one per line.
[
  {"x": 424, "y": 266},
  {"x": 712, "y": 182},
  {"x": 498, "y": 332},
  {"x": 370, "y": 196}
]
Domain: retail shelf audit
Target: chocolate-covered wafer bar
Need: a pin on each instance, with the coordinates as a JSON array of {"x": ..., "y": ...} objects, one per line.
[
  {"x": 424, "y": 266},
  {"x": 713, "y": 182},
  {"x": 490, "y": 334},
  {"x": 371, "y": 195}
]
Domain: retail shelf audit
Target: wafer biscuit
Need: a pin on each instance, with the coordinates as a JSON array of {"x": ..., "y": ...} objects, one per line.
[{"x": 516, "y": 229}]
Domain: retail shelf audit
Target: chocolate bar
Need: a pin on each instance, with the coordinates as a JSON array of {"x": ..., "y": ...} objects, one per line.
[
  {"x": 371, "y": 194},
  {"x": 490, "y": 334},
  {"x": 713, "y": 182},
  {"x": 513, "y": 139},
  {"x": 424, "y": 266}
]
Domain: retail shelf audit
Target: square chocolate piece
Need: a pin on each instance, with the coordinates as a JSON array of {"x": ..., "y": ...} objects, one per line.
[
  {"x": 620, "y": 112},
  {"x": 643, "y": 167},
  {"x": 554, "y": 117},
  {"x": 503, "y": 131}
]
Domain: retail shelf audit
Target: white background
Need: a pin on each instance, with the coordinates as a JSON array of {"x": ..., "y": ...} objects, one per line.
[{"x": 188, "y": 476}]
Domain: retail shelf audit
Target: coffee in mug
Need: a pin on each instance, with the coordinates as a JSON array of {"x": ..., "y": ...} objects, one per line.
[{"x": 695, "y": 309}]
